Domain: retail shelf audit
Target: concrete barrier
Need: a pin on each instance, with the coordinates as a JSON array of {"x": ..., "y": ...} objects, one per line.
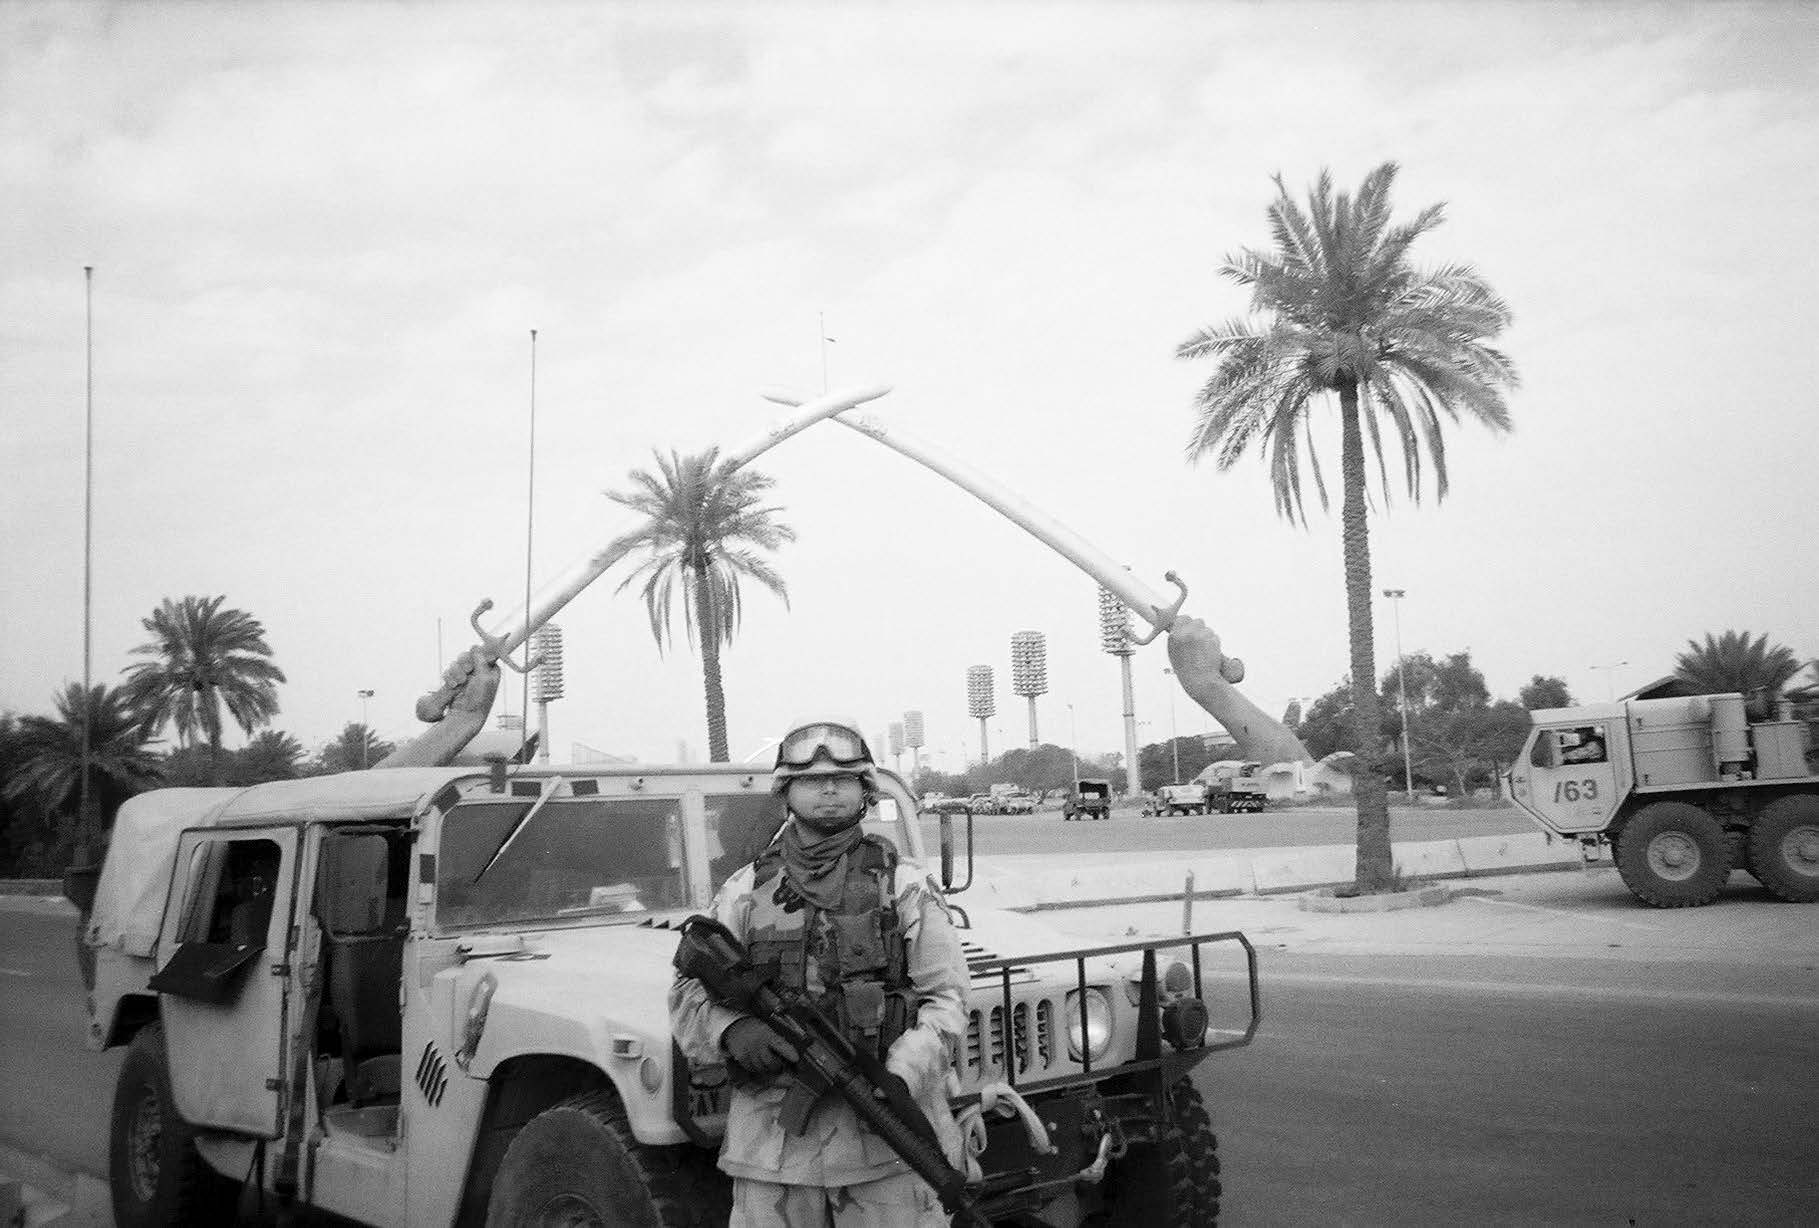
[
  {"x": 1035, "y": 881},
  {"x": 1430, "y": 859},
  {"x": 1510, "y": 854}
]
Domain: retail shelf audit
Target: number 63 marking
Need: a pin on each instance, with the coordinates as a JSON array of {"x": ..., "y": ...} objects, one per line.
[{"x": 1575, "y": 790}]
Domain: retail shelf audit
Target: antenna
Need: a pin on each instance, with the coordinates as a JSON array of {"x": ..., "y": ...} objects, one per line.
[
  {"x": 88, "y": 539},
  {"x": 530, "y": 513}
]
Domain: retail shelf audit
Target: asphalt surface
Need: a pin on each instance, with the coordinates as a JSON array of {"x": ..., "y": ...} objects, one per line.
[{"x": 1538, "y": 1049}]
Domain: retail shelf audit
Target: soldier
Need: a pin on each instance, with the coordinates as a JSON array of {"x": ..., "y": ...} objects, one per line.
[{"x": 832, "y": 910}]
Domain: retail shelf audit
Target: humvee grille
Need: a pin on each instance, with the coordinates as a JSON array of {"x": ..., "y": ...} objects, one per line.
[{"x": 1032, "y": 1038}]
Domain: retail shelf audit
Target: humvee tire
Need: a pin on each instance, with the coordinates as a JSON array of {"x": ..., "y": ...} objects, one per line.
[
  {"x": 1173, "y": 1183},
  {"x": 578, "y": 1163},
  {"x": 154, "y": 1173},
  {"x": 1783, "y": 849},
  {"x": 1673, "y": 855}
]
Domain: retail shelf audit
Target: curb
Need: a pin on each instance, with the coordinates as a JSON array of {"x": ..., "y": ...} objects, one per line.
[
  {"x": 1325, "y": 900},
  {"x": 1266, "y": 872},
  {"x": 1261, "y": 872},
  {"x": 35, "y": 1193}
]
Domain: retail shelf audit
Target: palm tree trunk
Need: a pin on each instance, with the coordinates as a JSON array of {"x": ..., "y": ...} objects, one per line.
[
  {"x": 211, "y": 719},
  {"x": 709, "y": 630},
  {"x": 1376, "y": 869}
]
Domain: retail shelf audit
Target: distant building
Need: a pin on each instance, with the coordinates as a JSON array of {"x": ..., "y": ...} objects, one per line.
[
  {"x": 1220, "y": 745},
  {"x": 581, "y": 752}
]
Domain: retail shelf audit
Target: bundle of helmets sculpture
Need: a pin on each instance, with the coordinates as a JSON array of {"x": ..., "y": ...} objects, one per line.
[{"x": 446, "y": 1000}]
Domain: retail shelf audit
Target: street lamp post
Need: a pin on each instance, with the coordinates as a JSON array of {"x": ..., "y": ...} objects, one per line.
[
  {"x": 981, "y": 705},
  {"x": 1408, "y": 771},
  {"x": 546, "y": 680},
  {"x": 366, "y": 735},
  {"x": 1073, "y": 733},
  {"x": 913, "y": 737},
  {"x": 1610, "y": 678},
  {"x": 1115, "y": 638},
  {"x": 1174, "y": 738}
]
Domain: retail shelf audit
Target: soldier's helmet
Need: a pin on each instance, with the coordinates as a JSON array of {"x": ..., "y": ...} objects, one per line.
[{"x": 824, "y": 746}]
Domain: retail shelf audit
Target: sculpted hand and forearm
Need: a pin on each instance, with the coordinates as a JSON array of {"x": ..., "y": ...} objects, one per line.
[{"x": 1194, "y": 652}]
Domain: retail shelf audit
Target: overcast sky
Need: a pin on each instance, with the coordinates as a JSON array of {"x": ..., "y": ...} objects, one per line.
[{"x": 322, "y": 234}]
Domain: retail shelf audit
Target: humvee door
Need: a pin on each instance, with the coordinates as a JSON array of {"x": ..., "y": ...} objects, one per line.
[{"x": 222, "y": 968}]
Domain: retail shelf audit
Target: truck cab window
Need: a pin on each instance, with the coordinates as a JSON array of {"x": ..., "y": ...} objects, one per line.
[{"x": 1584, "y": 744}]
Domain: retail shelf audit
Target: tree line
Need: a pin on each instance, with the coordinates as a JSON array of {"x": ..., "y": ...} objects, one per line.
[
  {"x": 206, "y": 664},
  {"x": 1461, "y": 740}
]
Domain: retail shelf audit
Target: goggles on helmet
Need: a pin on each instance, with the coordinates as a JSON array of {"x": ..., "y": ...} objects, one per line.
[{"x": 839, "y": 745}]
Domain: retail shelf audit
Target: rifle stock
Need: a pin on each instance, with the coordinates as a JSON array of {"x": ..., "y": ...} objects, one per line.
[{"x": 826, "y": 1059}]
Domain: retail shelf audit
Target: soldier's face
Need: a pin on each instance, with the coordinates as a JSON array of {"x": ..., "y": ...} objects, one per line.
[{"x": 827, "y": 803}]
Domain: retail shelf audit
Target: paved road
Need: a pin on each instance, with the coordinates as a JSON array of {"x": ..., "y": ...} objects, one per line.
[
  {"x": 1367, "y": 1101},
  {"x": 1128, "y": 831},
  {"x": 1539, "y": 1050},
  {"x": 54, "y": 1094}
]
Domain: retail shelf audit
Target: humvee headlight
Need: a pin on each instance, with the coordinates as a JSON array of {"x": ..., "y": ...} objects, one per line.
[
  {"x": 1098, "y": 1025},
  {"x": 1177, "y": 978},
  {"x": 478, "y": 1003}
]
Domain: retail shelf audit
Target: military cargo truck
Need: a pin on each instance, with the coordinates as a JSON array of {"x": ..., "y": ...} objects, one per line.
[{"x": 1681, "y": 790}]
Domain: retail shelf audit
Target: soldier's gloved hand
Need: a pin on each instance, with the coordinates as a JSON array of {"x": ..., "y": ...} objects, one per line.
[{"x": 751, "y": 1043}]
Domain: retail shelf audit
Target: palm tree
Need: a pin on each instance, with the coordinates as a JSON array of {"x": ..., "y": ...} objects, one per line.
[
  {"x": 1735, "y": 662},
  {"x": 270, "y": 755},
  {"x": 704, "y": 528},
  {"x": 48, "y": 768},
  {"x": 356, "y": 748},
  {"x": 206, "y": 657},
  {"x": 1338, "y": 311}
]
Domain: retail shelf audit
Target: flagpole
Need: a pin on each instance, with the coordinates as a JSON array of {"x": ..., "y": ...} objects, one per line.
[
  {"x": 530, "y": 515},
  {"x": 88, "y": 539}
]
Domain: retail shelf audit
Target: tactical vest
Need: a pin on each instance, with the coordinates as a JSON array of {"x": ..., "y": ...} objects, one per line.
[{"x": 850, "y": 962}]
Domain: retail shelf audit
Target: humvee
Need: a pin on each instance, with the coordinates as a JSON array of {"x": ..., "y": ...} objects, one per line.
[{"x": 437, "y": 996}]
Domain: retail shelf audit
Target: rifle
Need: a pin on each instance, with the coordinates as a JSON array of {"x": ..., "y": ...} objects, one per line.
[{"x": 826, "y": 1060}]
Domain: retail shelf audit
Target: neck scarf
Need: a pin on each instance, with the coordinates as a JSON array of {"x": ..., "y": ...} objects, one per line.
[{"x": 816, "y": 866}]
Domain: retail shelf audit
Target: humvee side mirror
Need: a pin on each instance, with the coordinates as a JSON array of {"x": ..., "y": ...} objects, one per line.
[
  {"x": 948, "y": 887},
  {"x": 947, "y": 851}
]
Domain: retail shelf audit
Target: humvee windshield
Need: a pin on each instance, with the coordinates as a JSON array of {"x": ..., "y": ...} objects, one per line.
[{"x": 587, "y": 858}]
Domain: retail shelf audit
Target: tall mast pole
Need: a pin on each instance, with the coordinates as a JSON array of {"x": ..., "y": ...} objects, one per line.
[
  {"x": 530, "y": 514},
  {"x": 88, "y": 542}
]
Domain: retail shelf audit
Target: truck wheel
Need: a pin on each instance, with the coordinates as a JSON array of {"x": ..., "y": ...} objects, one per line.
[
  {"x": 155, "y": 1175},
  {"x": 1673, "y": 855},
  {"x": 1172, "y": 1183},
  {"x": 1784, "y": 848},
  {"x": 578, "y": 1164}
]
